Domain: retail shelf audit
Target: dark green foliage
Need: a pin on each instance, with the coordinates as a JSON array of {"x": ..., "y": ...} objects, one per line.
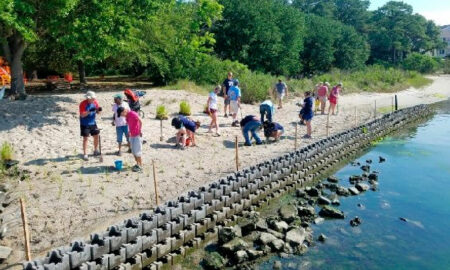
[{"x": 421, "y": 63}]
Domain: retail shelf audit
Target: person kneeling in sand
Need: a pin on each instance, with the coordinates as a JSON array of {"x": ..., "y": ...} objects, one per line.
[
  {"x": 272, "y": 130},
  {"x": 135, "y": 126},
  {"x": 251, "y": 124},
  {"x": 186, "y": 131},
  {"x": 89, "y": 108}
]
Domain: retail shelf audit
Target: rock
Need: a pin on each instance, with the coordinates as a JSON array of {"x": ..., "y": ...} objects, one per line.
[
  {"x": 331, "y": 186},
  {"x": 323, "y": 200},
  {"x": 276, "y": 245},
  {"x": 335, "y": 202},
  {"x": 241, "y": 256},
  {"x": 300, "y": 192},
  {"x": 319, "y": 186},
  {"x": 322, "y": 237},
  {"x": 355, "y": 222},
  {"x": 266, "y": 238},
  {"x": 248, "y": 228},
  {"x": 342, "y": 191},
  {"x": 288, "y": 249},
  {"x": 373, "y": 176},
  {"x": 381, "y": 159},
  {"x": 288, "y": 213},
  {"x": 403, "y": 219},
  {"x": 365, "y": 168},
  {"x": 280, "y": 226},
  {"x": 355, "y": 178},
  {"x": 353, "y": 190},
  {"x": 374, "y": 186},
  {"x": 362, "y": 187},
  {"x": 319, "y": 220},
  {"x": 226, "y": 234},
  {"x": 306, "y": 211},
  {"x": 234, "y": 245},
  {"x": 333, "y": 179},
  {"x": 360, "y": 205},
  {"x": 254, "y": 254},
  {"x": 275, "y": 233},
  {"x": 296, "y": 237},
  {"x": 312, "y": 191},
  {"x": 369, "y": 161},
  {"x": 261, "y": 225},
  {"x": 355, "y": 163},
  {"x": 302, "y": 249},
  {"x": 364, "y": 175},
  {"x": 331, "y": 212},
  {"x": 4, "y": 252},
  {"x": 277, "y": 265}
]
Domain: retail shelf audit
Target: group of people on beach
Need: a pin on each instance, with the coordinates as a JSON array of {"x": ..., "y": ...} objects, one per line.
[{"x": 128, "y": 123}]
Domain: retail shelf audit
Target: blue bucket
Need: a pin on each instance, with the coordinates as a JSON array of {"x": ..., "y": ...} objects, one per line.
[{"x": 118, "y": 164}]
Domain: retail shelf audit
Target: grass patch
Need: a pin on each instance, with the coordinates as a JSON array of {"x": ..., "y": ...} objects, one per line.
[
  {"x": 185, "y": 108},
  {"x": 385, "y": 109},
  {"x": 441, "y": 96},
  {"x": 161, "y": 113},
  {"x": 6, "y": 151},
  {"x": 189, "y": 86}
]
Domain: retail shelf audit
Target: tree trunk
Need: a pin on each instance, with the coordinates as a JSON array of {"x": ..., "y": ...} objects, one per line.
[
  {"x": 13, "y": 48},
  {"x": 81, "y": 72}
]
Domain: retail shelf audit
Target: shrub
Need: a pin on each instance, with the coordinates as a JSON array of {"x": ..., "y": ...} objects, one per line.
[
  {"x": 185, "y": 108},
  {"x": 161, "y": 112},
  {"x": 6, "y": 151},
  {"x": 446, "y": 66},
  {"x": 421, "y": 63}
]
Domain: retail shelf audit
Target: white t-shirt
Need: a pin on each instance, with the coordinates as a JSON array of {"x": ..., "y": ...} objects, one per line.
[
  {"x": 120, "y": 121},
  {"x": 213, "y": 101}
]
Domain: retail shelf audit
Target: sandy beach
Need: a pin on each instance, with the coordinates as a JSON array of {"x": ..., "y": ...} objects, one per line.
[{"x": 68, "y": 198}]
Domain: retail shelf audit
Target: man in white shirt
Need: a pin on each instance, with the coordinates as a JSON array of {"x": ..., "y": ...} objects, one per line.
[{"x": 120, "y": 122}]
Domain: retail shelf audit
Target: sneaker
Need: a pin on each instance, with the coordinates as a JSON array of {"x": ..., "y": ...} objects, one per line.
[
  {"x": 119, "y": 153},
  {"x": 247, "y": 144},
  {"x": 259, "y": 143},
  {"x": 306, "y": 136},
  {"x": 85, "y": 158},
  {"x": 233, "y": 124},
  {"x": 136, "y": 168},
  {"x": 96, "y": 153},
  {"x": 225, "y": 115},
  {"x": 217, "y": 134}
]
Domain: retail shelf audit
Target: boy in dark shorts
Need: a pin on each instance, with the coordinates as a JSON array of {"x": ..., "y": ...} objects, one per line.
[
  {"x": 89, "y": 108},
  {"x": 186, "y": 131},
  {"x": 272, "y": 130}
]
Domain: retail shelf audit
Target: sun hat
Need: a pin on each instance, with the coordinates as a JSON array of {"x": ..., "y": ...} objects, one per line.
[
  {"x": 90, "y": 95},
  {"x": 119, "y": 96}
]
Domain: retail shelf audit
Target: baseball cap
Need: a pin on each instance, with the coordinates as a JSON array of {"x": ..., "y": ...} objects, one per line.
[{"x": 90, "y": 95}]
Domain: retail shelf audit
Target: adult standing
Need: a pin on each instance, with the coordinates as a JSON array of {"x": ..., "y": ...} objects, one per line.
[
  {"x": 267, "y": 108},
  {"x": 212, "y": 110},
  {"x": 226, "y": 85},
  {"x": 235, "y": 101},
  {"x": 282, "y": 91},
  {"x": 88, "y": 109},
  {"x": 322, "y": 94},
  {"x": 306, "y": 113},
  {"x": 334, "y": 96},
  {"x": 135, "y": 125},
  {"x": 251, "y": 124},
  {"x": 120, "y": 122}
]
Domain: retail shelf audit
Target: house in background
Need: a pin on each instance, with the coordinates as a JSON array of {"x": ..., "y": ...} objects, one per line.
[{"x": 445, "y": 35}]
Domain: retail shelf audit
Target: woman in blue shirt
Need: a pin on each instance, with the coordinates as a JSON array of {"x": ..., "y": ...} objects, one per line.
[{"x": 306, "y": 113}]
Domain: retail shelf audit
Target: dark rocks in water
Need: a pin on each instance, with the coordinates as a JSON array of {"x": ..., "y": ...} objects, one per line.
[
  {"x": 323, "y": 200},
  {"x": 276, "y": 245},
  {"x": 360, "y": 205},
  {"x": 353, "y": 190},
  {"x": 240, "y": 256},
  {"x": 335, "y": 202},
  {"x": 300, "y": 192},
  {"x": 319, "y": 220},
  {"x": 355, "y": 178},
  {"x": 280, "y": 226},
  {"x": 277, "y": 265},
  {"x": 306, "y": 211},
  {"x": 254, "y": 254},
  {"x": 355, "y": 163},
  {"x": 355, "y": 222},
  {"x": 365, "y": 175},
  {"x": 213, "y": 261},
  {"x": 403, "y": 219},
  {"x": 311, "y": 202},
  {"x": 333, "y": 179},
  {"x": 374, "y": 186},
  {"x": 233, "y": 246},
  {"x": 322, "y": 237},
  {"x": 331, "y": 212},
  {"x": 296, "y": 237},
  {"x": 331, "y": 186},
  {"x": 362, "y": 187},
  {"x": 248, "y": 227},
  {"x": 311, "y": 191},
  {"x": 319, "y": 186},
  {"x": 288, "y": 213},
  {"x": 381, "y": 159},
  {"x": 342, "y": 191},
  {"x": 365, "y": 168},
  {"x": 373, "y": 176},
  {"x": 369, "y": 161},
  {"x": 226, "y": 234}
]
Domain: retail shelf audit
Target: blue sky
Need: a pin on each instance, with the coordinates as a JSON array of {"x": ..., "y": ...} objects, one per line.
[{"x": 436, "y": 10}]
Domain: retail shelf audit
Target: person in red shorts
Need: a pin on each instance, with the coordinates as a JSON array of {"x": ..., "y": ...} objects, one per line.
[{"x": 333, "y": 98}]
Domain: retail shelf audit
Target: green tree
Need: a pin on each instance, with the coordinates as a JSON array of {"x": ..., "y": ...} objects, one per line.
[
  {"x": 23, "y": 22},
  {"x": 352, "y": 50}
]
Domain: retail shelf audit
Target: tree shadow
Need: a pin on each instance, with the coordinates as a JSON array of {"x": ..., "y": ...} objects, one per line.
[
  {"x": 230, "y": 144},
  {"x": 45, "y": 161},
  {"x": 34, "y": 112}
]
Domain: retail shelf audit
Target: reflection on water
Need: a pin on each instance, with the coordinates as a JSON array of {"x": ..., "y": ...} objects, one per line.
[{"x": 414, "y": 184}]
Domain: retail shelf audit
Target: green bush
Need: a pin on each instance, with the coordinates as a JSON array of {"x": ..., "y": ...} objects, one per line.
[
  {"x": 185, "y": 108},
  {"x": 446, "y": 66},
  {"x": 421, "y": 63},
  {"x": 6, "y": 151},
  {"x": 161, "y": 112}
]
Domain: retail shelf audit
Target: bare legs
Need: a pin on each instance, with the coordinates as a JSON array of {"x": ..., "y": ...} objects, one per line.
[
  {"x": 214, "y": 123},
  {"x": 85, "y": 142},
  {"x": 331, "y": 108}
]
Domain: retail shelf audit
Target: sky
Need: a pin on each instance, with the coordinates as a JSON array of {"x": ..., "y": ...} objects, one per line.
[{"x": 436, "y": 10}]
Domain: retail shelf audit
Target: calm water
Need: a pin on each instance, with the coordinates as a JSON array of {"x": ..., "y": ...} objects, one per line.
[{"x": 414, "y": 183}]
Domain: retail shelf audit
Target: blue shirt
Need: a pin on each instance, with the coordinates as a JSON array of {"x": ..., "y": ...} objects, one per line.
[
  {"x": 281, "y": 87},
  {"x": 89, "y": 120},
  {"x": 234, "y": 93},
  {"x": 188, "y": 124},
  {"x": 270, "y": 104}
]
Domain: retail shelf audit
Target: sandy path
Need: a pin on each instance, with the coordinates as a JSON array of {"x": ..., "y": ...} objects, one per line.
[{"x": 68, "y": 198}]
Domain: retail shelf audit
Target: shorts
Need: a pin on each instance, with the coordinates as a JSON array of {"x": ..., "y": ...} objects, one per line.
[
  {"x": 280, "y": 96},
  {"x": 307, "y": 116},
  {"x": 226, "y": 101},
  {"x": 333, "y": 100},
  {"x": 212, "y": 111},
  {"x": 120, "y": 131},
  {"x": 136, "y": 146},
  {"x": 234, "y": 107},
  {"x": 92, "y": 130}
]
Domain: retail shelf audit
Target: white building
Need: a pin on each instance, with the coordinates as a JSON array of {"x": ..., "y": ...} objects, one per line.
[{"x": 445, "y": 35}]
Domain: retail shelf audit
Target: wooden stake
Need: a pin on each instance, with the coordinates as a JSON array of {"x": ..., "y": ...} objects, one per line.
[
  {"x": 161, "y": 138},
  {"x": 155, "y": 183},
  {"x": 237, "y": 153},
  {"x": 296, "y": 130},
  {"x": 328, "y": 124},
  {"x": 396, "y": 102},
  {"x": 25, "y": 230}
]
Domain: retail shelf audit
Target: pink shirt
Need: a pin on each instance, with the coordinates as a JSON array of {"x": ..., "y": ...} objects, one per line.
[
  {"x": 323, "y": 91},
  {"x": 133, "y": 124}
]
